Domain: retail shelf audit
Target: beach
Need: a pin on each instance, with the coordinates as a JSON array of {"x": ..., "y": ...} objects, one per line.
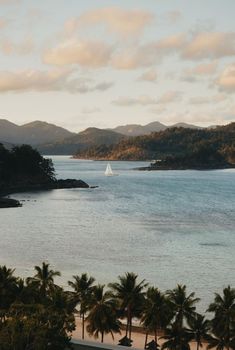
[{"x": 138, "y": 337}]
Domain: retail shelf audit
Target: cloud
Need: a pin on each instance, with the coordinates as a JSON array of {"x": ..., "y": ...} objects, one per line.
[
  {"x": 158, "y": 110},
  {"x": 204, "y": 99},
  {"x": 144, "y": 100},
  {"x": 173, "y": 16},
  {"x": 147, "y": 55},
  {"x": 149, "y": 75},
  {"x": 23, "y": 48},
  {"x": 226, "y": 80},
  {"x": 199, "y": 100},
  {"x": 87, "y": 53},
  {"x": 90, "y": 110},
  {"x": 210, "y": 45},
  {"x": 130, "y": 101},
  {"x": 8, "y": 2},
  {"x": 51, "y": 80},
  {"x": 200, "y": 70},
  {"x": 3, "y": 22},
  {"x": 114, "y": 19},
  {"x": 170, "y": 96}
]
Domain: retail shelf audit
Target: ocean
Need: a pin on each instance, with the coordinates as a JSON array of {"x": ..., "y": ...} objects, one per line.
[{"x": 168, "y": 227}]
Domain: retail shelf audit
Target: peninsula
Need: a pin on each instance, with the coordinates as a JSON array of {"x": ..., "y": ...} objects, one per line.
[{"x": 23, "y": 169}]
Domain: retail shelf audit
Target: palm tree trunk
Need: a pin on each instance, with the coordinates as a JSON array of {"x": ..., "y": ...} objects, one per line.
[
  {"x": 130, "y": 327},
  {"x": 102, "y": 337},
  {"x": 146, "y": 340},
  {"x": 127, "y": 322},
  {"x": 83, "y": 325},
  {"x": 155, "y": 335},
  {"x": 198, "y": 345}
]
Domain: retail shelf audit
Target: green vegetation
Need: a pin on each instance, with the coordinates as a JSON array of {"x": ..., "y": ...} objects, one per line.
[
  {"x": 177, "y": 147},
  {"x": 23, "y": 165},
  {"x": 36, "y": 313},
  {"x": 23, "y": 169}
]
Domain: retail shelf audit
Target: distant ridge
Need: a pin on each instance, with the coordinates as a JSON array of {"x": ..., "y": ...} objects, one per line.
[
  {"x": 51, "y": 139},
  {"x": 172, "y": 142},
  {"x": 138, "y": 130},
  {"x": 31, "y": 133}
]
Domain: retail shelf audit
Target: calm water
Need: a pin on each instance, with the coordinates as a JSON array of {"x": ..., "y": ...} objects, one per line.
[{"x": 168, "y": 226}]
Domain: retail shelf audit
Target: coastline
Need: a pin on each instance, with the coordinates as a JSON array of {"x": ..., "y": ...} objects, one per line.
[
  {"x": 6, "y": 202},
  {"x": 167, "y": 168}
]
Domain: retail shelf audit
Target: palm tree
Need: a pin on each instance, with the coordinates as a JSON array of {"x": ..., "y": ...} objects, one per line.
[
  {"x": 182, "y": 304},
  {"x": 102, "y": 317},
  {"x": 223, "y": 308},
  {"x": 43, "y": 279},
  {"x": 216, "y": 342},
  {"x": 83, "y": 286},
  {"x": 156, "y": 312},
  {"x": 199, "y": 328},
  {"x": 130, "y": 296},
  {"x": 177, "y": 338},
  {"x": 8, "y": 286}
]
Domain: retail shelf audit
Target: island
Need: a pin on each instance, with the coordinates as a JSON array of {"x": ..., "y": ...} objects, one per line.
[
  {"x": 203, "y": 158},
  {"x": 24, "y": 169},
  {"x": 173, "y": 148}
]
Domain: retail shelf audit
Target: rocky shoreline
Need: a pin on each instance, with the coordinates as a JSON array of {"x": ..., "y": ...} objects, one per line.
[
  {"x": 199, "y": 168},
  {"x": 26, "y": 187}
]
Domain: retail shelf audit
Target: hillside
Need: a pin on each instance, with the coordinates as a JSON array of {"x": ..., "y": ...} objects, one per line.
[
  {"x": 32, "y": 133},
  {"x": 91, "y": 137},
  {"x": 170, "y": 142},
  {"x": 138, "y": 130}
]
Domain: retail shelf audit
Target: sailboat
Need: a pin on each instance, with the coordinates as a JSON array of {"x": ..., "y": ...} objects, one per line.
[{"x": 109, "y": 171}]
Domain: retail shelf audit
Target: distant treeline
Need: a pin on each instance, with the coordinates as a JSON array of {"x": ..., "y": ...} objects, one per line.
[
  {"x": 23, "y": 165},
  {"x": 172, "y": 142},
  {"x": 37, "y": 314}
]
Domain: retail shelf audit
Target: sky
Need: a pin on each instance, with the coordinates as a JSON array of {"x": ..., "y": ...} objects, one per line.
[{"x": 98, "y": 63}]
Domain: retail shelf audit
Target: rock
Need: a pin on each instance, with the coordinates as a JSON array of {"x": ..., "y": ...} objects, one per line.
[
  {"x": 9, "y": 203},
  {"x": 71, "y": 183}
]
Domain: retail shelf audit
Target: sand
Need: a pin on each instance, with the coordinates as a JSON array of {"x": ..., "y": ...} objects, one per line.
[{"x": 137, "y": 337}]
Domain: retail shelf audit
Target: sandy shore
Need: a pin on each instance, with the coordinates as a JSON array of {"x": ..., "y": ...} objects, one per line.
[{"x": 138, "y": 337}]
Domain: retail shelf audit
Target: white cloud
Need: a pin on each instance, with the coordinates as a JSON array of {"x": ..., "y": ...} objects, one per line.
[
  {"x": 148, "y": 54},
  {"x": 114, "y": 19},
  {"x": 3, "y": 22},
  {"x": 145, "y": 100},
  {"x": 211, "y": 99},
  {"x": 226, "y": 80},
  {"x": 149, "y": 75},
  {"x": 210, "y": 45},
  {"x": 86, "y": 53},
  {"x": 51, "y": 80},
  {"x": 24, "y": 47},
  {"x": 130, "y": 101},
  {"x": 90, "y": 110},
  {"x": 170, "y": 96},
  {"x": 173, "y": 16}
]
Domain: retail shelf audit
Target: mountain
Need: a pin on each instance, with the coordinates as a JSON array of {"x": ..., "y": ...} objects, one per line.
[
  {"x": 185, "y": 125},
  {"x": 137, "y": 130},
  {"x": 172, "y": 142},
  {"x": 91, "y": 137},
  {"x": 32, "y": 133}
]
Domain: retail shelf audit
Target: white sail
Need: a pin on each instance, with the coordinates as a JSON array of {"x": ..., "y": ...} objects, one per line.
[{"x": 108, "y": 171}]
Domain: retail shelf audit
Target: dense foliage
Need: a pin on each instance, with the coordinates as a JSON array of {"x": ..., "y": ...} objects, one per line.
[
  {"x": 37, "y": 314},
  {"x": 172, "y": 142},
  {"x": 24, "y": 165}
]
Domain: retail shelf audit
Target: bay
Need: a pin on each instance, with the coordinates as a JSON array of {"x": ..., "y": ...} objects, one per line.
[{"x": 167, "y": 226}]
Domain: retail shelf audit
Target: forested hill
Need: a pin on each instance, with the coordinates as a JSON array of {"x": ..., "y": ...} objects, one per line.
[
  {"x": 22, "y": 168},
  {"x": 170, "y": 142}
]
